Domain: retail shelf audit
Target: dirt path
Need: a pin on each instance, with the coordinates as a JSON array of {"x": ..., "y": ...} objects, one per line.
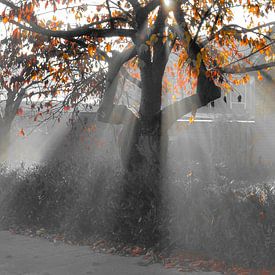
[{"x": 31, "y": 256}]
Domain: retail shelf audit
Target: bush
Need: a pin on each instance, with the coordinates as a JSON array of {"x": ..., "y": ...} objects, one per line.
[
  {"x": 232, "y": 221},
  {"x": 62, "y": 196},
  {"x": 8, "y": 178},
  {"x": 229, "y": 223}
]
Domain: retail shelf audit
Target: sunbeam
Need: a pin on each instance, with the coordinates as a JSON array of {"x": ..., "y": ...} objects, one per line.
[{"x": 167, "y": 3}]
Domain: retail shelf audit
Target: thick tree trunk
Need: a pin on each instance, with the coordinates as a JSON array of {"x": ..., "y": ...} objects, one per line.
[
  {"x": 5, "y": 127},
  {"x": 139, "y": 214},
  {"x": 141, "y": 207},
  {"x": 143, "y": 147}
]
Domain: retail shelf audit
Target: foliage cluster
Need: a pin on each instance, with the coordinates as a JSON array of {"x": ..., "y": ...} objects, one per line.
[{"x": 83, "y": 54}]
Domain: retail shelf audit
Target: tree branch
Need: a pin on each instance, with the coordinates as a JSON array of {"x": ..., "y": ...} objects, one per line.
[
  {"x": 132, "y": 79},
  {"x": 142, "y": 12},
  {"x": 249, "y": 55},
  {"x": 237, "y": 28},
  {"x": 173, "y": 112},
  {"x": 207, "y": 91},
  {"x": 120, "y": 115},
  {"x": 135, "y": 4},
  {"x": 151, "y": 6},
  {"x": 17, "y": 102},
  {"x": 207, "y": 13},
  {"x": 247, "y": 69},
  {"x": 73, "y": 33},
  {"x": 107, "y": 109}
]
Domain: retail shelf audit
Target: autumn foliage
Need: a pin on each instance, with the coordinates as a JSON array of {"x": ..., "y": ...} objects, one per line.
[
  {"x": 67, "y": 52},
  {"x": 225, "y": 48}
]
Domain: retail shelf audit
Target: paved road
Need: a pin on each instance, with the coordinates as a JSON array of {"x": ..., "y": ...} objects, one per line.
[{"x": 21, "y": 255}]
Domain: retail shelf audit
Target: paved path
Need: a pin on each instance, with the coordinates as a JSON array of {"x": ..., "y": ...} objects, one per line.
[{"x": 21, "y": 255}]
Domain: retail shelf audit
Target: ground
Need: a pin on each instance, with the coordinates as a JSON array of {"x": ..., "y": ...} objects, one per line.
[{"x": 21, "y": 255}]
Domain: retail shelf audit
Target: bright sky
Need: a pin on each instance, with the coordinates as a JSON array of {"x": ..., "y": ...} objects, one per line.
[{"x": 239, "y": 15}]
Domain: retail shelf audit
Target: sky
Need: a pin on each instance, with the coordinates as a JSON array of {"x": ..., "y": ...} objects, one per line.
[{"x": 239, "y": 16}]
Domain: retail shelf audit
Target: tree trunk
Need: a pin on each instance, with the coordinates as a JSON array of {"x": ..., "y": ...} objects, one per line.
[
  {"x": 14, "y": 99},
  {"x": 143, "y": 147},
  {"x": 5, "y": 127},
  {"x": 140, "y": 213},
  {"x": 143, "y": 144}
]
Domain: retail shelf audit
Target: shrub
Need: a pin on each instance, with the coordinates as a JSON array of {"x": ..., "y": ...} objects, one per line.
[
  {"x": 8, "y": 178},
  {"x": 233, "y": 221},
  {"x": 233, "y": 224},
  {"x": 67, "y": 196}
]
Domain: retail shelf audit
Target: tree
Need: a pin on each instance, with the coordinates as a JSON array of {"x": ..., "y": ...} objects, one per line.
[
  {"x": 36, "y": 79},
  {"x": 15, "y": 82},
  {"x": 210, "y": 48}
]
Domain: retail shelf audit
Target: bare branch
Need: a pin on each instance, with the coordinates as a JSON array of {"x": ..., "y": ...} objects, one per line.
[
  {"x": 73, "y": 33},
  {"x": 247, "y": 56},
  {"x": 110, "y": 14},
  {"x": 173, "y": 112},
  {"x": 239, "y": 29},
  {"x": 107, "y": 108},
  {"x": 120, "y": 115},
  {"x": 207, "y": 13},
  {"x": 247, "y": 69}
]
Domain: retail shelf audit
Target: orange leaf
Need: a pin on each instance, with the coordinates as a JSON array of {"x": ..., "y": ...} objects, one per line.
[
  {"x": 16, "y": 33},
  {"x": 260, "y": 77},
  {"x": 91, "y": 50},
  {"x": 108, "y": 47},
  {"x": 5, "y": 20},
  {"x": 21, "y": 132},
  {"x": 191, "y": 119},
  {"x": 65, "y": 56}
]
